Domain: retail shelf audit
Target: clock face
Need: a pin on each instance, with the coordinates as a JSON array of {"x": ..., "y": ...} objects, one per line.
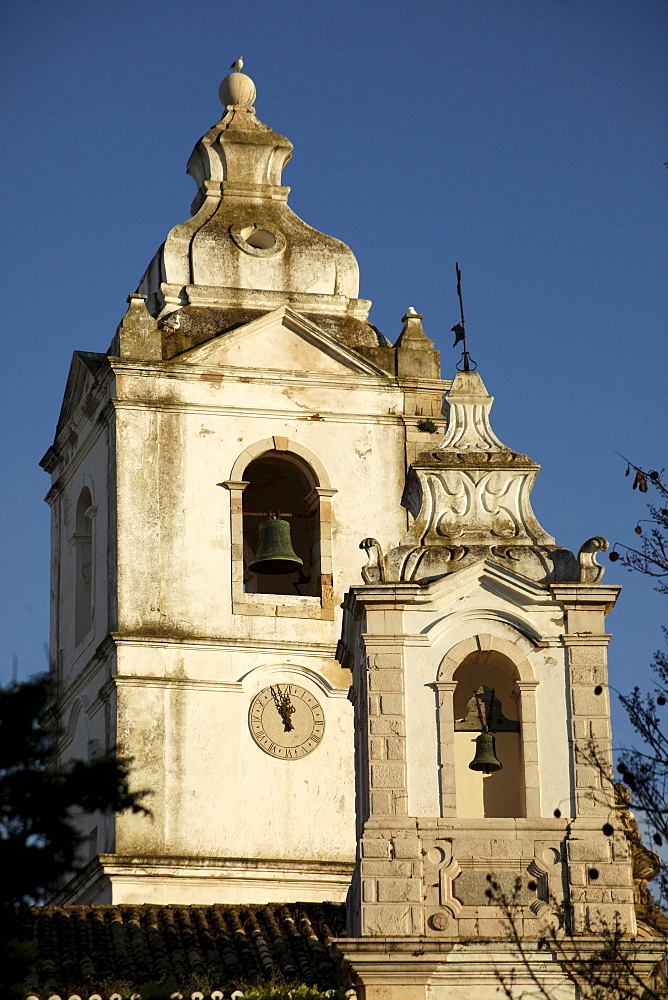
[{"x": 286, "y": 721}]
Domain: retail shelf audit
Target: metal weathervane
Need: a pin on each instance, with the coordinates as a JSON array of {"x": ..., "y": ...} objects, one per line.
[{"x": 459, "y": 330}]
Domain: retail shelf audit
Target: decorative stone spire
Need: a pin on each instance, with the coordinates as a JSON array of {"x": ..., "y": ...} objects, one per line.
[
  {"x": 416, "y": 357},
  {"x": 244, "y": 252},
  {"x": 470, "y": 500},
  {"x": 412, "y": 335},
  {"x": 468, "y": 428}
]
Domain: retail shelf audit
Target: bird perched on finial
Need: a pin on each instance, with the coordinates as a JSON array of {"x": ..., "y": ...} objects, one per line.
[{"x": 238, "y": 64}]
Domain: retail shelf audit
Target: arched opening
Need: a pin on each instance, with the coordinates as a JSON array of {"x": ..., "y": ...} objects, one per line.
[
  {"x": 83, "y": 584},
  {"x": 486, "y": 693},
  {"x": 281, "y": 484}
]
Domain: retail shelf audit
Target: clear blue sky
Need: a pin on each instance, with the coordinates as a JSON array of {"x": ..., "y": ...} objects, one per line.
[{"x": 524, "y": 138}]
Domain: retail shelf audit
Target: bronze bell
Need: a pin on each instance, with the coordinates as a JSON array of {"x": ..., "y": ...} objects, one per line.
[
  {"x": 485, "y": 754},
  {"x": 275, "y": 553}
]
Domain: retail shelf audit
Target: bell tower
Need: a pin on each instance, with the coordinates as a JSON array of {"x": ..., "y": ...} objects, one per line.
[
  {"x": 483, "y": 755},
  {"x": 245, "y": 401}
]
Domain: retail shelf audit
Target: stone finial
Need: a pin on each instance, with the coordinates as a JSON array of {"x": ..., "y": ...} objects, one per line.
[
  {"x": 244, "y": 249},
  {"x": 412, "y": 335},
  {"x": 468, "y": 404},
  {"x": 415, "y": 354},
  {"x": 137, "y": 335},
  {"x": 237, "y": 90}
]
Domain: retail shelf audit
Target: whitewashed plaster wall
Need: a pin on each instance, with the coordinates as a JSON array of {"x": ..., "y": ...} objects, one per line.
[
  {"x": 90, "y": 470},
  {"x": 184, "y": 666}
]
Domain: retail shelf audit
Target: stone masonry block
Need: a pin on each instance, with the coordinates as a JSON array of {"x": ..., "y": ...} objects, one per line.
[
  {"x": 386, "y": 680},
  {"x": 385, "y": 869},
  {"x": 587, "y": 776},
  {"x": 381, "y": 802},
  {"x": 576, "y": 875},
  {"x": 583, "y": 675},
  {"x": 385, "y": 657},
  {"x": 601, "y": 918},
  {"x": 599, "y": 729},
  {"x": 502, "y": 848},
  {"x": 396, "y": 890},
  {"x": 493, "y": 927},
  {"x": 587, "y": 804},
  {"x": 387, "y": 776},
  {"x": 465, "y": 848},
  {"x": 375, "y": 848},
  {"x": 467, "y": 928},
  {"x": 617, "y": 875},
  {"x": 374, "y": 704},
  {"x": 386, "y": 921},
  {"x": 621, "y": 849},
  {"x": 399, "y": 803},
  {"x": 407, "y": 847},
  {"x": 585, "y": 702},
  {"x": 595, "y": 849},
  {"x": 396, "y": 749},
  {"x": 581, "y": 729},
  {"x": 369, "y": 890},
  {"x": 377, "y": 749},
  {"x": 622, "y": 895},
  {"x": 587, "y": 655},
  {"x": 391, "y": 704},
  {"x": 388, "y": 727},
  {"x": 417, "y": 920}
]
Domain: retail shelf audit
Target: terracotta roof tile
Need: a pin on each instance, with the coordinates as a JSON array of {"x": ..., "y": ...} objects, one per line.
[{"x": 83, "y": 947}]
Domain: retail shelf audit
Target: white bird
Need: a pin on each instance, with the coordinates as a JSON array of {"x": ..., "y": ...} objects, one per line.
[{"x": 238, "y": 64}]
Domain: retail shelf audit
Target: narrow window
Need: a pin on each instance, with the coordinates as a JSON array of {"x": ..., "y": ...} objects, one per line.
[
  {"x": 279, "y": 487},
  {"x": 83, "y": 586}
]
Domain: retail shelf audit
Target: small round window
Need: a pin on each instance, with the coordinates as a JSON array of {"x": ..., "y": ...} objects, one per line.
[{"x": 257, "y": 240}]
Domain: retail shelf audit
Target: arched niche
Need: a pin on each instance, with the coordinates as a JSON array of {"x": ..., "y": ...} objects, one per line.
[
  {"x": 280, "y": 476},
  {"x": 485, "y": 663},
  {"x": 279, "y": 484},
  {"x": 83, "y": 566}
]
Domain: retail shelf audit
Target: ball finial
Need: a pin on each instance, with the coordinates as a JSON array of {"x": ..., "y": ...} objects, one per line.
[{"x": 237, "y": 89}]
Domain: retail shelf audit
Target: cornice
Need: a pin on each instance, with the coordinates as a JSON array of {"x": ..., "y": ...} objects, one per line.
[
  {"x": 320, "y": 649},
  {"x": 395, "y": 419}
]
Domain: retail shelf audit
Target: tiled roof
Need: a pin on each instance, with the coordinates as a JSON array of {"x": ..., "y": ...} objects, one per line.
[{"x": 83, "y": 947}]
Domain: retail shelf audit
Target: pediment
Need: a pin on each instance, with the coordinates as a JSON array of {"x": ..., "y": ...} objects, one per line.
[
  {"x": 84, "y": 368},
  {"x": 486, "y": 575},
  {"x": 281, "y": 340}
]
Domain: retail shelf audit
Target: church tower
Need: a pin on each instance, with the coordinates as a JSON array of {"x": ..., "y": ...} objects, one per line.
[
  {"x": 491, "y": 856},
  {"x": 245, "y": 401}
]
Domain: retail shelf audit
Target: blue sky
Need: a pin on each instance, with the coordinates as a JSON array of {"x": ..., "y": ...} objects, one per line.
[{"x": 524, "y": 138}]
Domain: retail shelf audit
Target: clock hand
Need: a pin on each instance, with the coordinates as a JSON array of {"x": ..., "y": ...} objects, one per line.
[{"x": 284, "y": 707}]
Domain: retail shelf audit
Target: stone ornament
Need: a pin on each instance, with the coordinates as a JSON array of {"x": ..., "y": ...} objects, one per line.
[
  {"x": 257, "y": 240},
  {"x": 237, "y": 90},
  {"x": 470, "y": 500}
]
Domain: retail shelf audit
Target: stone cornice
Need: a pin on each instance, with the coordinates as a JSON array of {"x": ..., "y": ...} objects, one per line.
[
  {"x": 319, "y": 649},
  {"x": 395, "y": 419},
  {"x": 197, "y": 372},
  {"x": 586, "y": 596}
]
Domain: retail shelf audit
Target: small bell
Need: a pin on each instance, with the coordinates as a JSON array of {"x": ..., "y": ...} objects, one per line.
[
  {"x": 485, "y": 754},
  {"x": 275, "y": 553}
]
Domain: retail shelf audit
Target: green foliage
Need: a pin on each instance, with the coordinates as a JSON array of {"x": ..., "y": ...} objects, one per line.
[
  {"x": 167, "y": 988},
  {"x": 38, "y": 839},
  {"x": 285, "y": 991}
]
